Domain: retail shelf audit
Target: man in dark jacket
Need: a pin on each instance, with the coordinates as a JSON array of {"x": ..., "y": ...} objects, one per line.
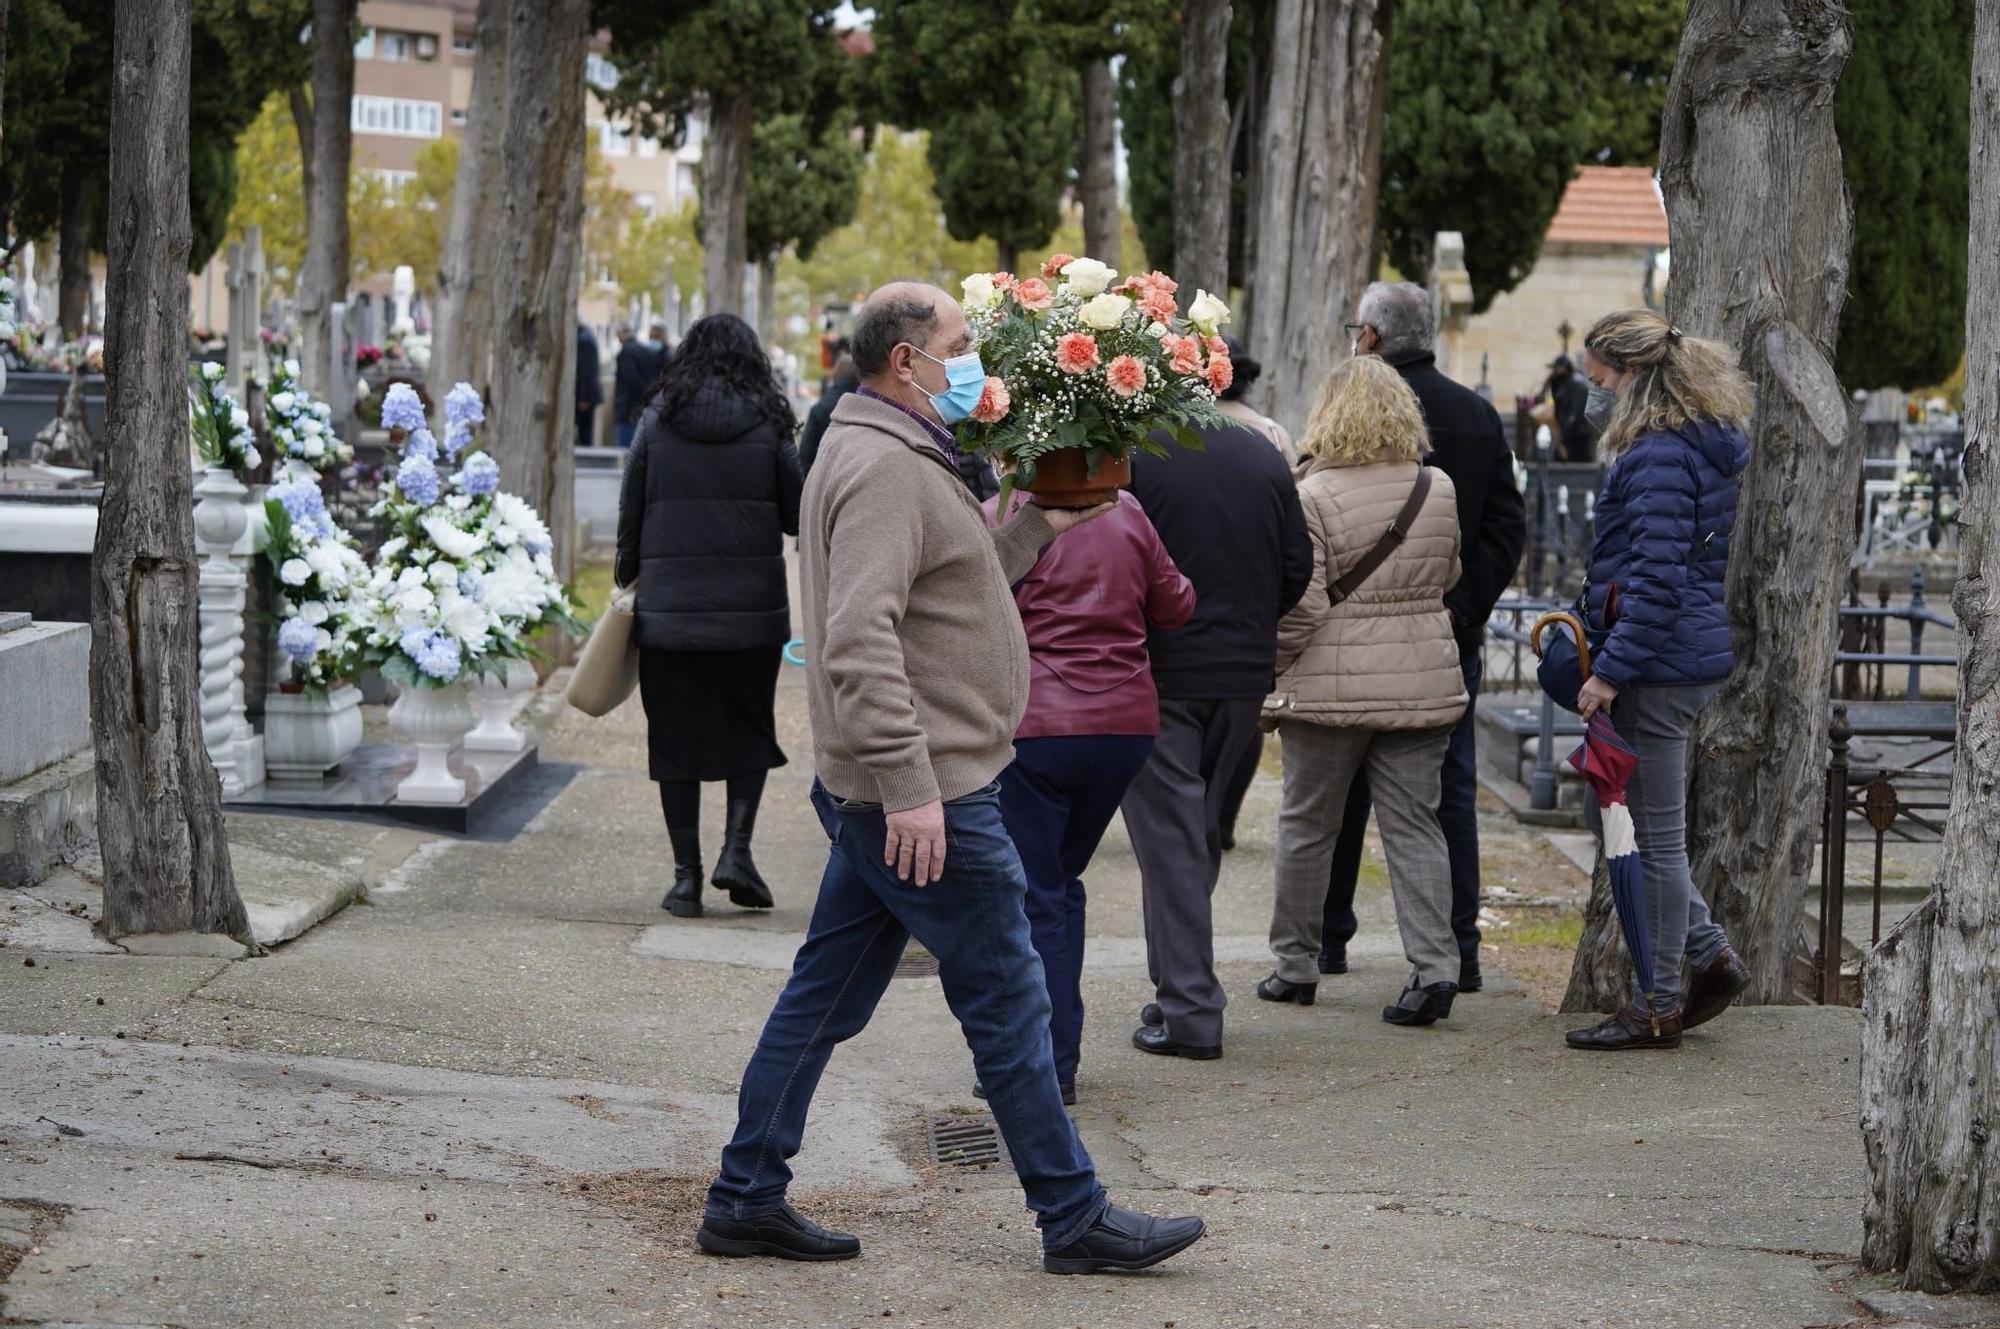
[
  {"x": 633, "y": 372},
  {"x": 1567, "y": 392},
  {"x": 589, "y": 389},
  {"x": 844, "y": 381},
  {"x": 1469, "y": 445},
  {"x": 1230, "y": 517}
]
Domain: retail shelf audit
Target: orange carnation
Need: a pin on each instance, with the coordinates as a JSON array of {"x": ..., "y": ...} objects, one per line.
[
  {"x": 1003, "y": 281},
  {"x": 1033, "y": 293},
  {"x": 994, "y": 402},
  {"x": 1185, "y": 353},
  {"x": 1220, "y": 373},
  {"x": 1217, "y": 346},
  {"x": 1055, "y": 263},
  {"x": 1158, "y": 305},
  {"x": 1076, "y": 353},
  {"x": 1126, "y": 375}
]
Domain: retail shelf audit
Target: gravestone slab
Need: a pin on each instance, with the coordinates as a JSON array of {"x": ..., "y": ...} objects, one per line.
[{"x": 44, "y": 694}]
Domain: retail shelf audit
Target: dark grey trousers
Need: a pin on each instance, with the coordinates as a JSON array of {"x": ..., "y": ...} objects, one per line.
[{"x": 1173, "y": 816}]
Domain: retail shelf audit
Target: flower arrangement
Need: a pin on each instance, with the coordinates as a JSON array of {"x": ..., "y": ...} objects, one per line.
[
  {"x": 7, "y": 314},
  {"x": 367, "y": 355},
  {"x": 221, "y": 427},
  {"x": 319, "y": 572},
  {"x": 1075, "y": 362},
  {"x": 468, "y": 576},
  {"x": 300, "y": 428}
]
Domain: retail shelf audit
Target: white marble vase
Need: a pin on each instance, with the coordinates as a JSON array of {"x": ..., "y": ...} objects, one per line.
[
  {"x": 500, "y": 700},
  {"x": 307, "y": 736},
  {"x": 434, "y": 720}
]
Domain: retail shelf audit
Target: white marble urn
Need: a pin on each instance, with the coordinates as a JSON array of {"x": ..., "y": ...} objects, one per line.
[
  {"x": 500, "y": 700},
  {"x": 435, "y": 720},
  {"x": 305, "y": 736}
]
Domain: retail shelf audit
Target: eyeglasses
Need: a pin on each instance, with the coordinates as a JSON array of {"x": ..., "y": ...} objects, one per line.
[{"x": 1354, "y": 329}]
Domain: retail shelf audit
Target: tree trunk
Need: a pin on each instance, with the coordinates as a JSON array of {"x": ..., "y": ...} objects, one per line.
[
  {"x": 159, "y": 804},
  {"x": 73, "y": 249},
  {"x": 1928, "y": 1054},
  {"x": 327, "y": 147},
  {"x": 725, "y": 192},
  {"x": 1759, "y": 219},
  {"x": 1006, "y": 256},
  {"x": 4, "y": 227},
  {"x": 462, "y": 332},
  {"x": 1097, "y": 172},
  {"x": 1313, "y": 220},
  {"x": 1201, "y": 153},
  {"x": 767, "y": 297},
  {"x": 535, "y": 287}
]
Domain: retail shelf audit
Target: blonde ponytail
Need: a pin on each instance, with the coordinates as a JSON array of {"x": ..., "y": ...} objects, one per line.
[{"x": 1675, "y": 378}]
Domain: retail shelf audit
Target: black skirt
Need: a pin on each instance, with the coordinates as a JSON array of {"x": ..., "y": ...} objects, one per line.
[{"x": 710, "y": 714}]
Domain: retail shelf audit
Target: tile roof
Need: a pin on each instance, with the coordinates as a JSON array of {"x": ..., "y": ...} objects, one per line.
[{"x": 1611, "y": 205}]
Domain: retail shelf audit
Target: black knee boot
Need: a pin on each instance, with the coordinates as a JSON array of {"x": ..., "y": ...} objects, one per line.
[
  {"x": 734, "y": 870},
  {"x": 684, "y": 900}
]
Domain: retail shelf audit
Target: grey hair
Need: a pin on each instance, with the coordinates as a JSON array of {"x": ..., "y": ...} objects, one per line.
[
  {"x": 1400, "y": 313},
  {"x": 885, "y": 324}
]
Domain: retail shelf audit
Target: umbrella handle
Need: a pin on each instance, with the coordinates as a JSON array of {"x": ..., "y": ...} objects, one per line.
[{"x": 1574, "y": 624}]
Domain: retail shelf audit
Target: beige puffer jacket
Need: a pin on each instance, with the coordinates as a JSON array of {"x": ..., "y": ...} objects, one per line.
[{"x": 1385, "y": 658}]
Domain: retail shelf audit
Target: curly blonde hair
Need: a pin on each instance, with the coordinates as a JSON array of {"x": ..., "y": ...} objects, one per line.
[
  {"x": 1676, "y": 378},
  {"x": 1365, "y": 413}
]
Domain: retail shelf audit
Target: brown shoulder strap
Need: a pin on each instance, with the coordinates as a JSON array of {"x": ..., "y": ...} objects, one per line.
[{"x": 1399, "y": 531}]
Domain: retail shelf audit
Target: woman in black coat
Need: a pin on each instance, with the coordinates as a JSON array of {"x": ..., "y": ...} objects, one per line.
[{"x": 711, "y": 489}]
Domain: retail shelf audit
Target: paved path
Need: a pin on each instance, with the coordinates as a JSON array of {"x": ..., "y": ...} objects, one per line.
[{"x": 491, "y": 1096}]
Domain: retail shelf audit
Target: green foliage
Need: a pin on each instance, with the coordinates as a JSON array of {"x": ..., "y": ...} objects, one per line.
[
  {"x": 1622, "y": 61},
  {"x": 672, "y": 53},
  {"x": 1146, "y": 118},
  {"x": 803, "y": 186},
  {"x": 1485, "y": 127},
  {"x": 1903, "y": 115}
]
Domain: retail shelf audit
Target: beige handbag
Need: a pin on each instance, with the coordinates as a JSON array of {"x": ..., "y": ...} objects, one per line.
[{"x": 608, "y": 669}]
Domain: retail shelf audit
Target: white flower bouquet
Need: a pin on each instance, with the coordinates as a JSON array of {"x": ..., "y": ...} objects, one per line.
[
  {"x": 221, "y": 426},
  {"x": 319, "y": 573},
  {"x": 299, "y": 427}
]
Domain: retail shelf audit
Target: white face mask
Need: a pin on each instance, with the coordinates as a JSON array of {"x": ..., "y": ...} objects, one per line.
[{"x": 1354, "y": 348}]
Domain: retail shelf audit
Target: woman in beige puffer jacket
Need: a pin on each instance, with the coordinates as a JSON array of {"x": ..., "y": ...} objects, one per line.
[{"x": 1372, "y": 683}]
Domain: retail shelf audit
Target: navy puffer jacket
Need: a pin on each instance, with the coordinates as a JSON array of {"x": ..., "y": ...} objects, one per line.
[{"x": 1662, "y": 547}]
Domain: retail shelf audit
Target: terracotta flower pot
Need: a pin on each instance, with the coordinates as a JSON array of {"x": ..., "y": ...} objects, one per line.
[{"x": 1063, "y": 479}]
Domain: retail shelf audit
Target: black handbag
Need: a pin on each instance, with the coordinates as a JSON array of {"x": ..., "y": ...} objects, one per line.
[{"x": 1564, "y": 655}]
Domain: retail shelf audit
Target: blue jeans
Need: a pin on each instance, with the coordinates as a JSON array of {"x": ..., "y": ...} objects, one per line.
[
  {"x": 973, "y": 921},
  {"x": 1057, "y": 798}
]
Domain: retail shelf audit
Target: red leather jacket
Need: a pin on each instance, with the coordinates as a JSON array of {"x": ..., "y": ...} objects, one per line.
[{"x": 1087, "y": 605}]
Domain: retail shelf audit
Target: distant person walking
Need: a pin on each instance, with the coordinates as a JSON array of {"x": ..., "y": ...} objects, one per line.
[
  {"x": 636, "y": 366},
  {"x": 710, "y": 491},
  {"x": 1676, "y": 451},
  {"x": 844, "y": 381},
  {"x": 589, "y": 388},
  {"x": 1568, "y": 396}
]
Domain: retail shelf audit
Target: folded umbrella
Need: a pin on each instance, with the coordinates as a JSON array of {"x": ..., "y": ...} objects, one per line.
[{"x": 1607, "y": 761}]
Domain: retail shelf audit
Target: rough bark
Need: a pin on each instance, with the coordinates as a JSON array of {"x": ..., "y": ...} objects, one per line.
[
  {"x": 159, "y": 804},
  {"x": 73, "y": 249},
  {"x": 1758, "y": 214},
  {"x": 1201, "y": 152},
  {"x": 326, "y": 144},
  {"x": 1314, "y": 221},
  {"x": 536, "y": 265},
  {"x": 1097, "y": 171},
  {"x": 725, "y": 193},
  {"x": 461, "y": 334},
  {"x": 1600, "y": 974},
  {"x": 1928, "y": 1052},
  {"x": 767, "y": 297}
]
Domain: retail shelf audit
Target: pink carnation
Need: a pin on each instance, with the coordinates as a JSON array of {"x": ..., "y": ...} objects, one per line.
[
  {"x": 1185, "y": 353},
  {"x": 993, "y": 402},
  {"x": 1126, "y": 375},
  {"x": 1220, "y": 374},
  {"x": 1217, "y": 346},
  {"x": 1158, "y": 305},
  {"x": 1055, "y": 263},
  {"x": 1003, "y": 281},
  {"x": 1033, "y": 293},
  {"x": 1076, "y": 353}
]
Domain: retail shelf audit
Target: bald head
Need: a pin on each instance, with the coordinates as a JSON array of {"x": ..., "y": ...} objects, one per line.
[{"x": 903, "y": 332}]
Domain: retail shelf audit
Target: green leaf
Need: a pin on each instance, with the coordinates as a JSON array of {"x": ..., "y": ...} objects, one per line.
[{"x": 401, "y": 669}]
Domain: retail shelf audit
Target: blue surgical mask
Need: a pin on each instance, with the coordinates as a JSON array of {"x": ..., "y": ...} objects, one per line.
[{"x": 964, "y": 381}]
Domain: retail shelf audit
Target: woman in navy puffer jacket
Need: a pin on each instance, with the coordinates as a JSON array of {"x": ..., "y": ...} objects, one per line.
[{"x": 1674, "y": 441}]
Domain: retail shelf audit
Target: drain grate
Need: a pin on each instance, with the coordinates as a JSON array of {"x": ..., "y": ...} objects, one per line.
[
  {"x": 966, "y": 1141},
  {"x": 917, "y": 964}
]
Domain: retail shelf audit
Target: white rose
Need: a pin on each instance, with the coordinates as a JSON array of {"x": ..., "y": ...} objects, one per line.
[
  {"x": 313, "y": 447},
  {"x": 295, "y": 572},
  {"x": 281, "y": 402},
  {"x": 313, "y": 612},
  {"x": 239, "y": 418},
  {"x": 291, "y": 369},
  {"x": 311, "y": 425},
  {"x": 413, "y": 600},
  {"x": 1086, "y": 276},
  {"x": 1103, "y": 312},
  {"x": 1207, "y": 313},
  {"x": 211, "y": 372},
  {"x": 978, "y": 291}
]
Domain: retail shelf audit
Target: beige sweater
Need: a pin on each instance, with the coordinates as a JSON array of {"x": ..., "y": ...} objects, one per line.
[
  {"x": 916, "y": 665},
  {"x": 1384, "y": 658}
]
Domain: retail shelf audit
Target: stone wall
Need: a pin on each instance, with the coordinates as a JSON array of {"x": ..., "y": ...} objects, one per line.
[{"x": 1572, "y": 282}]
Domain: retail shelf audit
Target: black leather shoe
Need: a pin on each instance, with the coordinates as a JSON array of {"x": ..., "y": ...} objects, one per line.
[
  {"x": 735, "y": 872},
  {"x": 1123, "y": 1241},
  {"x": 1631, "y": 1028},
  {"x": 1715, "y": 985},
  {"x": 1469, "y": 979},
  {"x": 1153, "y": 1038},
  {"x": 1277, "y": 989},
  {"x": 1151, "y": 1014},
  {"x": 1421, "y": 1006},
  {"x": 1068, "y": 1092},
  {"x": 1333, "y": 960},
  {"x": 684, "y": 900},
  {"x": 787, "y": 1235}
]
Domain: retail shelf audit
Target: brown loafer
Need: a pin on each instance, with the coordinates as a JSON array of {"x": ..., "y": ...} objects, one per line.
[
  {"x": 1630, "y": 1028},
  {"x": 1714, "y": 986}
]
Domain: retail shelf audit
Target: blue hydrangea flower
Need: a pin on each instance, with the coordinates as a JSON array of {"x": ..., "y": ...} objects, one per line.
[
  {"x": 418, "y": 480},
  {"x": 462, "y": 410},
  {"x": 413, "y": 640},
  {"x": 421, "y": 443},
  {"x": 402, "y": 408},
  {"x": 471, "y": 585},
  {"x": 439, "y": 658},
  {"x": 302, "y": 503},
  {"x": 298, "y": 639},
  {"x": 480, "y": 474}
]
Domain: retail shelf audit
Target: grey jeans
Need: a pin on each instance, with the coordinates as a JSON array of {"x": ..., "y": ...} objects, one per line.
[
  {"x": 1656, "y": 721},
  {"x": 1403, "y": 768}
]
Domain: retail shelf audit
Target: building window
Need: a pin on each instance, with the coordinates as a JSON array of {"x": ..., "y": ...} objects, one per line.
[
  {"x": 599, "y": 72},
  {"x": 464, "y": 43},
  {"x": 458, "y": 115},
  {"x": 393, "y": 179},
  {"x": 646, "y": 204},
  {"x": 402, "y": 117},
  {"x": 392, "y": 46},
  {"x": 364, "y": 45},
  {"x": 616, "y": 139},
  {"x": 648, "y": 146}
]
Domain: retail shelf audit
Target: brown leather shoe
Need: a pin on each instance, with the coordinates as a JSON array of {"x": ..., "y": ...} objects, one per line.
[
  {"x": 1630, "y": 1028},
  {"x": 1715, "y": 985}
]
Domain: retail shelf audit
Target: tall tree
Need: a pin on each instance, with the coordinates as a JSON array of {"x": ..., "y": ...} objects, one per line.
[
  {"x": 1097, "y": 167},
  {"x": 1901, "y": 113},
  {"x": 1930, "y": 1071},
  {"x": 803, "y": 187},
  {"x": 461, "y": 333},
  {"x": 1621, "y": 66},
  {"x": 1758, "y": 215},
  {"x": 159, "y": 804},
  {"x": 537, "y": 269},
  {"x": 1486, "y": 124},
  {"x": 1316, "y": 206},
  {"x": 1146, "y": 120},
  {"x": 1201, "y": 160},
  {"x": 326, "y": 145}
]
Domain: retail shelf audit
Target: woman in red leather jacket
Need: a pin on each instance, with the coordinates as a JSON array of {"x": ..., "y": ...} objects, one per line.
[{"x": 1092, "y": 716}]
